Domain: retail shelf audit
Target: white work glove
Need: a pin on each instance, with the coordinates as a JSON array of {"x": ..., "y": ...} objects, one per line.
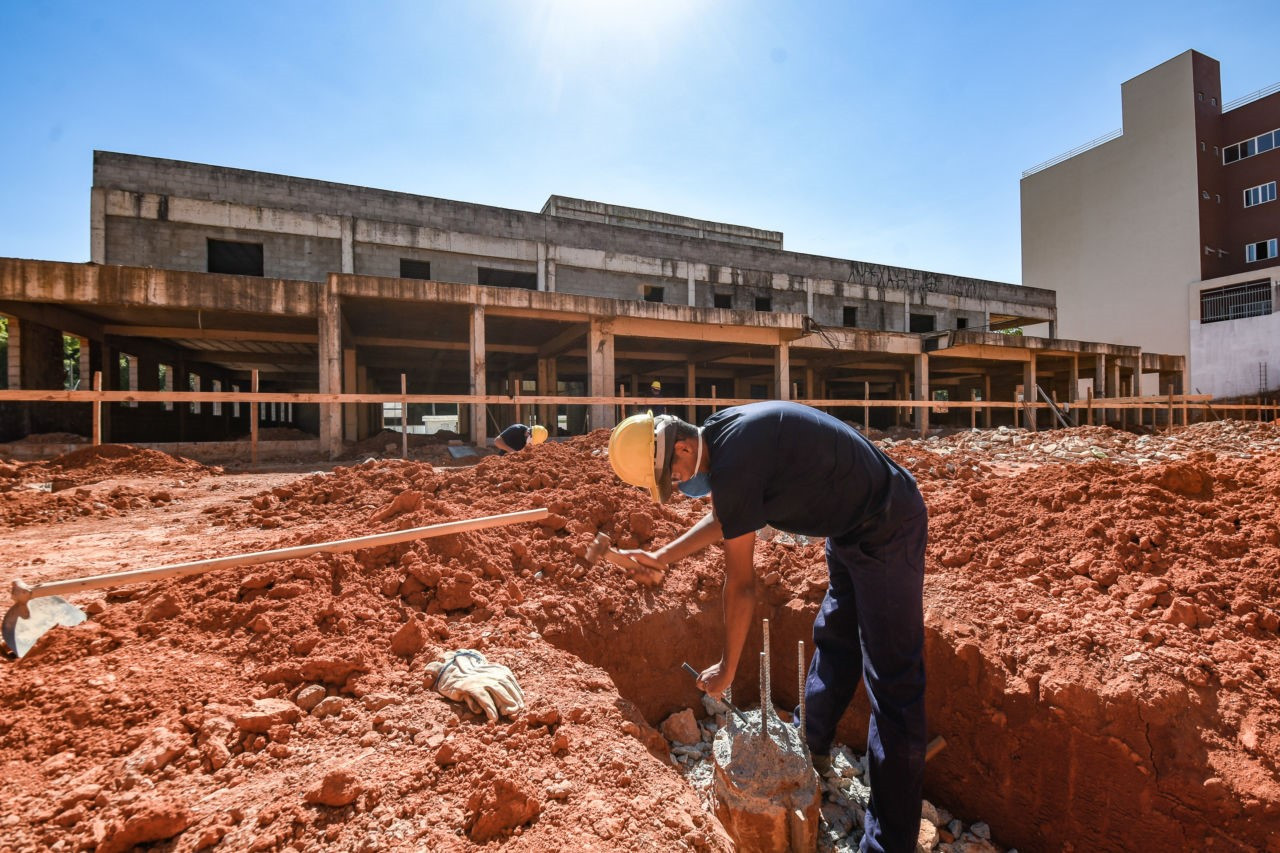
[{"x": 465, "y": 676}]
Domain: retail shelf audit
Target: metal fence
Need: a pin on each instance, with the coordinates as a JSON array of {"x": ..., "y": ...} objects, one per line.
[{"x": 1233, "y": 302}]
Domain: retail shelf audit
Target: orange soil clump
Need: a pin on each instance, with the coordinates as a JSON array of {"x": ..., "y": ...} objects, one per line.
[{"x": 1100, "y": 638}]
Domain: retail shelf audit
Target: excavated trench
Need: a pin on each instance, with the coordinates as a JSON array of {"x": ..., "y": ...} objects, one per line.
[{"x": 1099, "y": 644}]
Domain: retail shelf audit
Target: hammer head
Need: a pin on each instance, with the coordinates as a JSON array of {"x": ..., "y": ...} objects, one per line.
[{"x": 597, "y": 548}]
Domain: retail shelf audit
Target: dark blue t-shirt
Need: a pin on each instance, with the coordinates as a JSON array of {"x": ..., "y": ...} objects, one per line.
[
  {"x": 516, "y": 436},
  {"x": 802, "y": 471}
]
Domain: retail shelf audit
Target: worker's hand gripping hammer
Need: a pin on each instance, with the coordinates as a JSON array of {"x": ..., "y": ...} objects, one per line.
[{"x": 601, "y": 546}]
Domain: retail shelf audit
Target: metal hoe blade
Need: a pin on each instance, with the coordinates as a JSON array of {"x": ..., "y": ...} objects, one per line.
[{"x": 25, "y": 623}]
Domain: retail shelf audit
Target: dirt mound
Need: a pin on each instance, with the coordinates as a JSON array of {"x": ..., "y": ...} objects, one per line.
[
  {"x": 1100, "y": 641},
  {"x": 62, "y": 488},
  {"x": 123, "y": 460}
]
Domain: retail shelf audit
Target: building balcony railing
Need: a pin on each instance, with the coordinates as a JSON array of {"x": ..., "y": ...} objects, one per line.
[{"x": 1080, "y": 149}]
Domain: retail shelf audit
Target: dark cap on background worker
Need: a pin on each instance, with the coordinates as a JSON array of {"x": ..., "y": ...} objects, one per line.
[{"x": 518, "y": 436}]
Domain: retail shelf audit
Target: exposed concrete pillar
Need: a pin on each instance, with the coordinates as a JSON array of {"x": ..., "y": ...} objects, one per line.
[
  {"x": 903, "y": 392},
  {"x": 370, "y": 413},
  {"x": 97, "y": 235},
  {"x": 40, "y": 367},
  {"x": 547, "y": 415},
  {"x": 181, "y": 382},
  {"x": 1113, "y": 386},
  {"x": 330, "y": 345},
  {"x": 551, "y": 270},
  {"x": 782, "y": 371},
  {"x": 808, "y": 295},
  {"x": 922, "y": 391},
  {"x": 350, "y": 385},
  {"x": 1029, "y": 387},
  {"x": 348, "y": 229},
  {"x": 693, "y": 293},
  {"x": 101, "y": 357},
  {"x": 165, "y": 385},
  {"x": 986, "y": 395},
  {"x": 542, "y": 267},
  {"x": 146, "y": 378},
  {"x": 133, "y": 378},
  {"x": 479, "y": 374},
  {"x": 690, "y": 390},
  {"x": 600, "y": 372},
  {"x": 1073, "y": 390},
  {"x": 810, "y": 389},
  {"x": 1099, "y": 387},
  {"x": 14, "y": 355}
]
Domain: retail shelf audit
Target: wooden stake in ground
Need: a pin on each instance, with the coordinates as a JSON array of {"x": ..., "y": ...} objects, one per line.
[
  {"x": 404, "y": 418},
  {"x": 253, "y": 420}
]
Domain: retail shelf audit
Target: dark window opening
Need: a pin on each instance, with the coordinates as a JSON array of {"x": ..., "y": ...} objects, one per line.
[
  {"x": 962, "y": 322},
  {"x": 409, "y": 268},
  {"x": 507, "y": 278},
  {"x": 764, "y": 303},
  {"x": 723, "y": 300},
  {"x": 759, "y": 392},
  {"x": 652, "y": 294},
  {"x": 923, "y": 323},
  {"x": 850, "y": 315},
  {"x": 233, "y": 258}
]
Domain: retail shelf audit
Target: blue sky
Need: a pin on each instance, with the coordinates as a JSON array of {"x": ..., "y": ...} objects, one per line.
[{"x": 891, "y": 132}]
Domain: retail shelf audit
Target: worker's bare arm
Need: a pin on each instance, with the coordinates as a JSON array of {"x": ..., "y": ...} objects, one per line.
[
  {"x": 705, "y": 532},
  {"x": 502, "y": 445},
  {"x": 739, "y": 598}
]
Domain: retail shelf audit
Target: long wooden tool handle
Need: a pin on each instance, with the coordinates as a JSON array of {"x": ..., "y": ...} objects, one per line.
[{"x": 23, "y": 592}]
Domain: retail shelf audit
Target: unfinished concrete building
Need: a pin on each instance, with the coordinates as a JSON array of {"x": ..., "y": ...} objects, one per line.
[{"x": 201, "y": 275}]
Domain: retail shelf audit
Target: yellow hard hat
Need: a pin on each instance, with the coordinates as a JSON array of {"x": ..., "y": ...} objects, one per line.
[
  {"x": 537, "y": 433},
  {"x": 655, "y": 385},
  {"x": 640, "y": 454}
]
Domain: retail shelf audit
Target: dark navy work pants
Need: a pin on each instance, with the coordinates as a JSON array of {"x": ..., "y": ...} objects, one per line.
[{"x": 871, "y": 626}]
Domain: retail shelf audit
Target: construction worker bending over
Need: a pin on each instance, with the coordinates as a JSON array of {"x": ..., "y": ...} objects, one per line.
[
  {"x": 518, "y": 436},
  {"x": 805, "y": 472}
]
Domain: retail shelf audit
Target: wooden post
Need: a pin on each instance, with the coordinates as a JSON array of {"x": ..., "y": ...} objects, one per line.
[
  {"x": 97, "y": 409},
  {"x": 253, "y": 420},
  {"x": 1089, "y": 410},
  {"x": 1169, "y": 425},
  {"x": 620, "y": 411},
  {"x": 714, "y": 407},
  {"x": 404, "y": 417},
  {"x": 973, "y": 410}
]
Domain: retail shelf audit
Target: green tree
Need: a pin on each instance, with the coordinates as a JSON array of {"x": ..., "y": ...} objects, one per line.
[{"x": 71, "y": 362}]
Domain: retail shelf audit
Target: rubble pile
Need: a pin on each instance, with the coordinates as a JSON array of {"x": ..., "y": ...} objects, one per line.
[{"x": 1100, "y": 634}]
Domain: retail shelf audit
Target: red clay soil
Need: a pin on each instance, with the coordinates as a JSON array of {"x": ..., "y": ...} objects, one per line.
[
  {"x": 61, "y": 489},
  {"x": 1100, "y": 643}
]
